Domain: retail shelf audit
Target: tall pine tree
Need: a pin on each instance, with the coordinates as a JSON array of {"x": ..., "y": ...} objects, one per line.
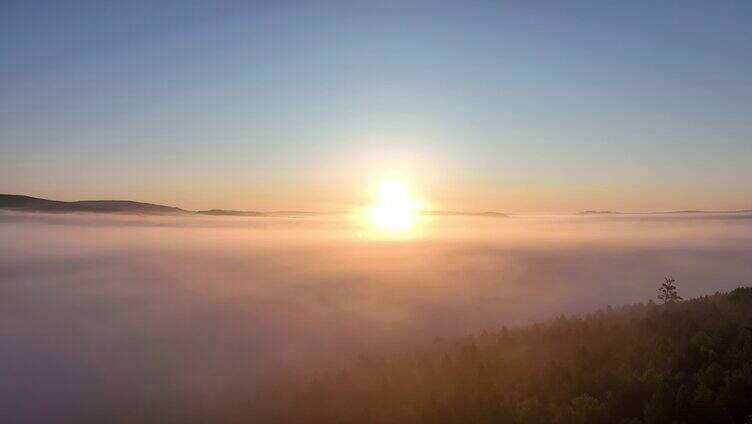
[{"x": 667, "y": 292}]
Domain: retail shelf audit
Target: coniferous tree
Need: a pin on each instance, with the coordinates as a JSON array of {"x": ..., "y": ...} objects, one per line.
[{"x": 667, "y": 292}]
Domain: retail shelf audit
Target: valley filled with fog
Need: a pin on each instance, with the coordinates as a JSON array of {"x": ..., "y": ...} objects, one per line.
[{"x": 139, "y": 313}]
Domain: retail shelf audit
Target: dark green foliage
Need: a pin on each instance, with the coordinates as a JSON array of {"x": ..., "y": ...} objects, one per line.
[
  {"x": 686, "y": 362},
  {"x": 741, "y": 295}
]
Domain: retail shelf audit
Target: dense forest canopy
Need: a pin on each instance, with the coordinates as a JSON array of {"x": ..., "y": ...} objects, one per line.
[{"x": 680, "y": 362}]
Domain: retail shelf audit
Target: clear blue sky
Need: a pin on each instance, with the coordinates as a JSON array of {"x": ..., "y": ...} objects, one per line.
[{"x": 513, "y": 106}]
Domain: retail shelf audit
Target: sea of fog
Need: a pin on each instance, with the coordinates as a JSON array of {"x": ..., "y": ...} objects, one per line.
[{"x": 104, "y": 315}]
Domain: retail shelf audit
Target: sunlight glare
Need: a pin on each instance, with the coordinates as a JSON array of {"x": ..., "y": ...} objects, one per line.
[{"x": 397, "y": 210}]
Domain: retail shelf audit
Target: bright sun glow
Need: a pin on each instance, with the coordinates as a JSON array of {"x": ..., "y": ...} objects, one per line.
[{"x": 397, "y": 209}]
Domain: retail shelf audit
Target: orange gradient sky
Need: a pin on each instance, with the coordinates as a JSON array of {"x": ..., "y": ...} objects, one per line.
[{"x": 504, "y": 106}]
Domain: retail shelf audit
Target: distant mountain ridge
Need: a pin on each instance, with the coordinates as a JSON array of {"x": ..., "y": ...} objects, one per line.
[
  {"x": 23, "y": 203},
  {"x": 128, "y": 205},
  {"x": 34, "y": 204},
  {"x": 701, "y": 211},
  {"x": 682, "y": 212}
]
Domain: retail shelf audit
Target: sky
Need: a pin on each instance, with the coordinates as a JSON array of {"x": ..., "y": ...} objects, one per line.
[{"x": 514, "y": 106}]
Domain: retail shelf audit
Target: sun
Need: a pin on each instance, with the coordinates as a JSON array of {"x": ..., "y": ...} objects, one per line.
[{"x": 397, "y": 209}]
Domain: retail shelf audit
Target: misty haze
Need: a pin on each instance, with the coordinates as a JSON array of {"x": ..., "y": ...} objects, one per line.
[
  {"x": 375, "y": 212},
  {"x": 143, "y": 314}
]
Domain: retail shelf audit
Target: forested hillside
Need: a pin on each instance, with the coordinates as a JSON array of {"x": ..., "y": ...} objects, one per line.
[{"x": 682, "y": 362}]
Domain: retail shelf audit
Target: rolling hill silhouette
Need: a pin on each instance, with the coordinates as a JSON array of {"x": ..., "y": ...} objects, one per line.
[{"x": 33, "y": 204}]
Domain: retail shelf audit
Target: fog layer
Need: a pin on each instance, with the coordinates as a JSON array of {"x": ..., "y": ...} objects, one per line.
[{"x": 100, "y": 314}]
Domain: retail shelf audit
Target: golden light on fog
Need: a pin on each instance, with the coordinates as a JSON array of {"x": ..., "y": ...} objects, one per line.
[{"x": 396, "y": 210}]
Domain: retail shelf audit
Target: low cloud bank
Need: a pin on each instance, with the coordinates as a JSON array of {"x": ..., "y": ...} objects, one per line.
[{"x": 131, "y": 315}]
